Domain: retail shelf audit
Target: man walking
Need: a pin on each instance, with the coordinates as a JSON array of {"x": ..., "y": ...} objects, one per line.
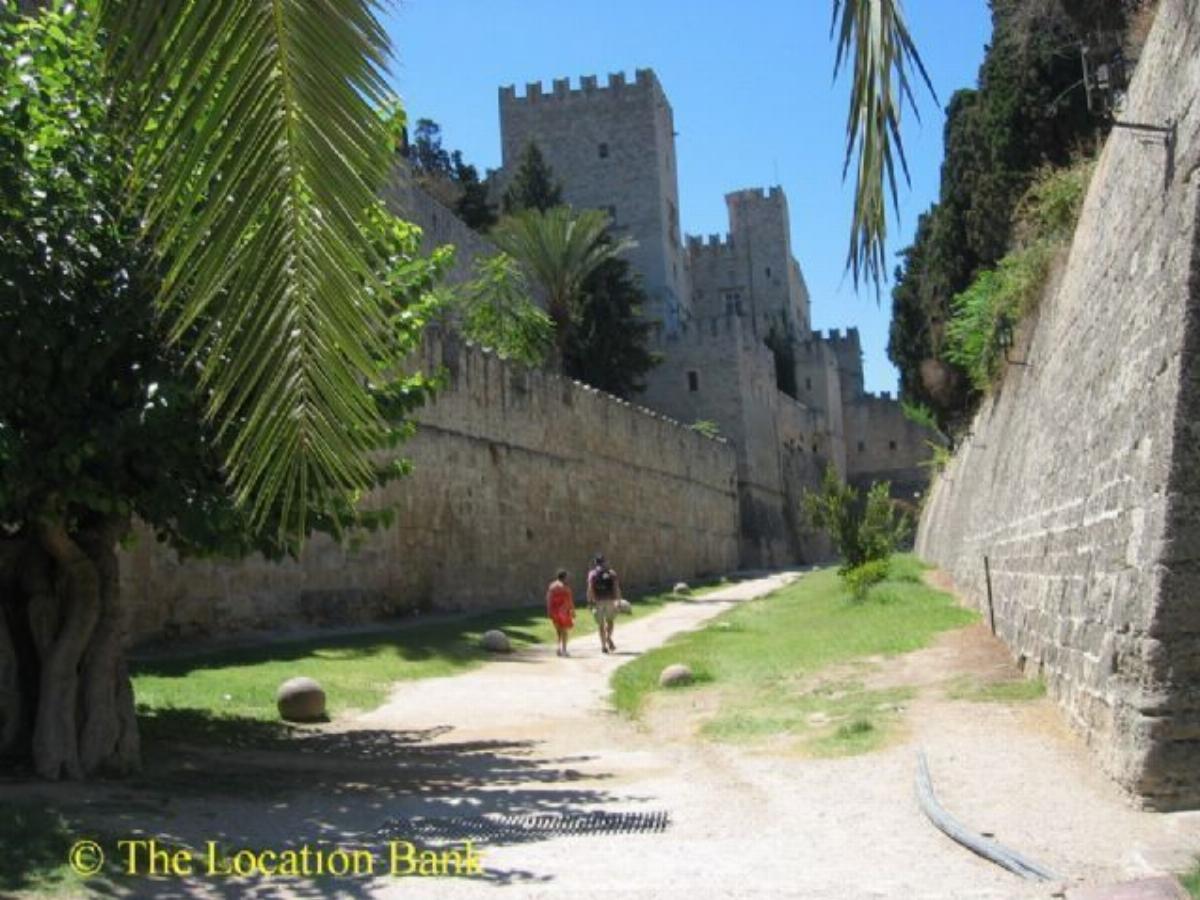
[{"x": 603, "y": 589}]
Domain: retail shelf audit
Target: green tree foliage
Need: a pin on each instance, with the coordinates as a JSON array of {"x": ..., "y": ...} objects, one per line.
[
  {"x": 448, "y": 177},
  {"x": 103, "y": 418},
  {"x": 608, "y": 342},
  {"x": 533, "y": 185},
  {"x": 862, "y": 531},
  {"x": 985, "y": 315},
  {"x": 495, "y": 311},
  {"x": 1028, "y": 111},
  {"x": 873, "y": 41},
  {"x": 559, "y": 249},
  {"x": 472, "y": 206},
  {"x": 257, "y": 151},
  {"x": 706, "y": 427},
  {"x": 426, "y": 152}
]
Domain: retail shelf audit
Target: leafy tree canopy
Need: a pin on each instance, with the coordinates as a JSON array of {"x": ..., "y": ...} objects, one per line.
[
  {"x": 533, "y": 185},
  {"x": 1029, "y": 110},
  {"x": 104, "y": 418},
  {"x": 608, "y": 344}
]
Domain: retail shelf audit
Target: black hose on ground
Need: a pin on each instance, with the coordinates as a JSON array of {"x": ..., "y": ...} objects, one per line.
[{"x": 988, "y": 849}]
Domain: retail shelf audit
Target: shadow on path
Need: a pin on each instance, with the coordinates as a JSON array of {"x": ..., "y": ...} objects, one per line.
[{"x": 351, "y": 789}]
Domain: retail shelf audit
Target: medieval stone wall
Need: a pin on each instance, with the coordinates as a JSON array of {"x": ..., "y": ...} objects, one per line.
[
  {"x": 439, "y": 226},
  {"x": 1080, "y": 481},
  {"x": 516, "y": 472}
]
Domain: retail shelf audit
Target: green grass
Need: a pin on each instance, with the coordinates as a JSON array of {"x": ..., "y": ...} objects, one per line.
[
  {"x": 230, "y": 695},
  {"x": 760, "y": 658},
  {"x": 36, "y": 843},
  {"x": 973, "y": 689},
  {"x": 1191, "y": 880}
]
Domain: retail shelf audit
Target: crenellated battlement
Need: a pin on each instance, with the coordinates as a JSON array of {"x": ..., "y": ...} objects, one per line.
[
  {"x": 835, "y": 336},
  {"x": 756, "y": 195},
  {"x": 644, "y": 80},
  {"x": 715, "y": 244}
]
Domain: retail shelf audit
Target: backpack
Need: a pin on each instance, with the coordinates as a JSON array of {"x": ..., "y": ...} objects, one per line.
[{"x": 604, "y": 584}]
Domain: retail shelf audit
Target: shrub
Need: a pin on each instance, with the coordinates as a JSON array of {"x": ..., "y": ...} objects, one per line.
[
  {"x": 860, "y": 531},
  {"x": 863, "y": 577},
  {"x": 985, "y": 315}
]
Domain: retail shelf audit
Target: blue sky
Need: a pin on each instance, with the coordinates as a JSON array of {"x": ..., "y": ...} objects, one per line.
[{"x": 751, "y": 86}]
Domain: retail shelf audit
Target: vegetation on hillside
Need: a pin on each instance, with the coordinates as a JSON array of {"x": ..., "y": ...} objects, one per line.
[
  {"x": 1027, "y": 116},
  {"x": 447, "y": 176}
]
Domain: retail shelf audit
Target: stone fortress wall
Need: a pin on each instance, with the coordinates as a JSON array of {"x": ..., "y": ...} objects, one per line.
[
  {"x": 1080, "y": 480},
  {"x": 515, "y": 472},
  {"x": 717, "y": 303}
]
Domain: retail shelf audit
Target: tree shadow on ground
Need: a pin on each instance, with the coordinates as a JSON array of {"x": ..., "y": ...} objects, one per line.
[
  {"x": 285, "y": 788},
  {"x": 452, "y": 639}
]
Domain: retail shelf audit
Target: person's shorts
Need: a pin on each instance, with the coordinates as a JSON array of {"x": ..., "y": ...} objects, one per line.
[{"x": 605, "y": 611}]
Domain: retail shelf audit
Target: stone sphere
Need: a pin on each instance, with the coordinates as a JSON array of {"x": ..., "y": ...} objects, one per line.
[
  {"x": 301, "y": 700},
  {"x": 676, "y": 675},
  {"x": 681, "y": 588},
  {"x": 496, "y": 641},
  {"x": 624, "y": 606}
]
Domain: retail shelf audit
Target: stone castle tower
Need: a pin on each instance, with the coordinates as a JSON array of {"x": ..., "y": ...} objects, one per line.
[
  {"x": 614, "y": 149},
  {"x": 733, "y": 311}
]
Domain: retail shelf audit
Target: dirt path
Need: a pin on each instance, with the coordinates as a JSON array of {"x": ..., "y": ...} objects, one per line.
[
  {"x": 531, "y": 734},
  {"x": 757, "y": 823}
]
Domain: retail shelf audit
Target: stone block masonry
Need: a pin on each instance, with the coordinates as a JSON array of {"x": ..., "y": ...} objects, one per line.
[
  {"x": 1081, "y": 478},
  {"x": 516, "y": 472}
]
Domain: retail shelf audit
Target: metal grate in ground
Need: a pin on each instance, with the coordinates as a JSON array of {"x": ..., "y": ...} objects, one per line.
[{"x": 521, "y": 829}]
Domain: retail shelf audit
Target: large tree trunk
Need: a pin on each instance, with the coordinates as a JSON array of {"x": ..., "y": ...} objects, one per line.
[{"x": 69, "y": 654}]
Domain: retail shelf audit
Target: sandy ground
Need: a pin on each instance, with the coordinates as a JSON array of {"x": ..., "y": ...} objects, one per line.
[{"x": 532, "y": 734}]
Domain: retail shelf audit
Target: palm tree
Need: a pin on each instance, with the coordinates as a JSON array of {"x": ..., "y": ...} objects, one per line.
[
  {"x": 874, "y": 39},
  {"x": 559, "y": 248},
  {"x": 260, "y": 147},
  {"x": 259, "y": 150}
]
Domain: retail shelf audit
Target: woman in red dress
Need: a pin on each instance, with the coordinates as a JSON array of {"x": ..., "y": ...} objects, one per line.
[{"x": 560, "y": 606}]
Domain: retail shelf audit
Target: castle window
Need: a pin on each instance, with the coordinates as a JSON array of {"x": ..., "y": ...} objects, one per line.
[
  {"x": 768, "y": 271},
  {"x": 693, "y": 381},
  {"x": 861, "y": 447},
  {"x": 612, "y": 214},
  {"x": 814, "y": 446},
  {"x": 602, "y": 150},
  {"x": 891, "y": 445},
  {"x": 808, "y": 384}
]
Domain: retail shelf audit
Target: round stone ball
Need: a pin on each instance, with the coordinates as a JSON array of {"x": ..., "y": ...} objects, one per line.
[
  {"x": 624, "y": 606},
  {"x": 300, "y": 700},
  {"x": 495, "y": 641},
  {"x": 676, "y": 675},
  {"x": 682, "y": 588}
]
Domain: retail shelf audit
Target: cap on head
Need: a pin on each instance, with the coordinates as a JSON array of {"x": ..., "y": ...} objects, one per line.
[{"x": 598, "y": 559}]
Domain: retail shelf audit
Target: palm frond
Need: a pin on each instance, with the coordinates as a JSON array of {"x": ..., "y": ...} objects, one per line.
[
  {"x": 873, "y": 37},
  {"x": 259, "y": 151},
  {"x": 559, "y": 248}
]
